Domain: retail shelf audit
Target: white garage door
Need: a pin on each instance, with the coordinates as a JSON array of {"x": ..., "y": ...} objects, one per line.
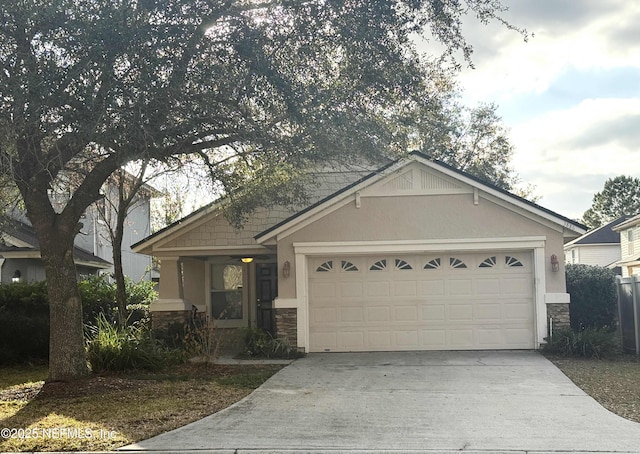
[{"x": 454, "y": 301}]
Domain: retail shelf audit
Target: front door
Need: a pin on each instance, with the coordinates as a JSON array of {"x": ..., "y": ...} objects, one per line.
[{"x": 267, "y": 285}]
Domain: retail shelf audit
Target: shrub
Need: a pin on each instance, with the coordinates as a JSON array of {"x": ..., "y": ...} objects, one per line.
[
  {"x": 593, "y": 296},
  {"x": 24, "y": 314},
  {"x": 139, "y": 315},
  {"x": 587, "y": 343},
  {"x": 201, "y": 339},
  {"x": 260, "y": 344},
  {"x": 139, "y": 293},
  {"x": 24, "y": 323},
  {"x": 98, "y": 297},
  {"x": 114, "y": 348}
]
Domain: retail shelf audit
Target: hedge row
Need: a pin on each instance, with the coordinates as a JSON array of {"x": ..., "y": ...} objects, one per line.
[
  {"x": 594, "y": 302},
  {"x": 24, "y": 314}
]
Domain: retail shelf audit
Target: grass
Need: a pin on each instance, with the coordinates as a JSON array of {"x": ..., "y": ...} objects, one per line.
[
  {"x": 12, "y": 376},
  {"x": 105, "y": 412},
  {"x": 614, "y": 382}
]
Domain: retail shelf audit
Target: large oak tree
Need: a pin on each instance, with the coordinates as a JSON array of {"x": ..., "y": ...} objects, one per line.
[{"x": 251, "y": 87}]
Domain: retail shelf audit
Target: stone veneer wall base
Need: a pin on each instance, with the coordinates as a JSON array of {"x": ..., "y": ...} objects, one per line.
[
  {"x": 558, "y": 316},
  {"x": 287, "y": 325}
]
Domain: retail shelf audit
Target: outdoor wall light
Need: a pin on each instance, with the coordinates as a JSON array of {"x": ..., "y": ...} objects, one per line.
[
  {"x": 16, "y": 276},
  {"x": 286, "y": 269},
  {"x": 247, "y": 259},
  {"x": 555, "y": 265}
]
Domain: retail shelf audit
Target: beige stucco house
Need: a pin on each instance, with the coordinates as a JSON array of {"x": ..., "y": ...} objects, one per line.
[{"x": 414, "y": 256}]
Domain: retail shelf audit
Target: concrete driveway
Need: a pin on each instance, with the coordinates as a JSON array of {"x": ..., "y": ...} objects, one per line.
[{"x": 411, "y": 401}]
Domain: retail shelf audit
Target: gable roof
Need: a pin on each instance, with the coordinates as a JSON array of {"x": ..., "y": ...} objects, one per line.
[
  {"x": 19, "y": 240},
  {"x": 385, "y": 170},
  {"x": 631, "y": 222},
  {"x": 602, "y": 235},
  {"x": 327, "y": 182}
]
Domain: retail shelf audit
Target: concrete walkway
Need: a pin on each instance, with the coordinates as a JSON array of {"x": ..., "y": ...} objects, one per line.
[{"x": 510, "y": 401}]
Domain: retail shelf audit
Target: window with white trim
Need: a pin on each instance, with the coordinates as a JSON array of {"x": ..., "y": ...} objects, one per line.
[
  {"x": 380, "y": 265},
  {"x": 489, "y": 262},
  {"x": 512, "y": 262},
  {"x": 456, "y": 263},
  {"x": 403, "y": 265},
  {"x": 226, "y": 292},
  {"x": 325, "y": 267},
  {"x": 348, "y": 266},
  {"x": 433, "y": 264}
]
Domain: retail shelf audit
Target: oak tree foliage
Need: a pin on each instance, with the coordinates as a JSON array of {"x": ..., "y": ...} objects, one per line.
[
  {"x": 619, "y": 197},
  {"x": 256, "y": 90}
]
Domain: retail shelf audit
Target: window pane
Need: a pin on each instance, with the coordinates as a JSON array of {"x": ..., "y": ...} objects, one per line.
[
  {"x": 226, "y": 277},
  {"x": 226, "y": 305},
  {"x": 226, "y": 292}
]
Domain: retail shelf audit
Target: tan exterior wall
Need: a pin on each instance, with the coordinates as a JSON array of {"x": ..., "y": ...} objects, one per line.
[
  {"x": 425, "y": 217},
  {"x": 194, "y": 283}
]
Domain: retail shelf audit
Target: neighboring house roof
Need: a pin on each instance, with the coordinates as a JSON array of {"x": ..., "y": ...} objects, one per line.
[
  {"x": 19, "y": 240},
  {"x": 631, "y": 222},
  {"x": 602, "y": 235},
  {"x": 377, "y": 175}
]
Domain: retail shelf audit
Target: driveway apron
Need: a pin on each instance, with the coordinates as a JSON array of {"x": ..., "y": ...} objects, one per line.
[{"x": 406, "y": 401}]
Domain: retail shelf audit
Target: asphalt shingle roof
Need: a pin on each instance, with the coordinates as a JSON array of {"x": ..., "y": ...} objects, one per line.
[{"x": 26, "y": 234}]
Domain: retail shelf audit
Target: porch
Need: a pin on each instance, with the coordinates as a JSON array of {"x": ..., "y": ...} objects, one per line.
[{"x": 232, "y": 291}]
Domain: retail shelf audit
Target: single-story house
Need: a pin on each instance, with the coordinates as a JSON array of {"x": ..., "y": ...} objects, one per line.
[
  {"x": 629, "y": 246},
  {"x": 20, "y": 259},
  {"x": 597, "y": 247},
  {"x": 413, "y": 256}
]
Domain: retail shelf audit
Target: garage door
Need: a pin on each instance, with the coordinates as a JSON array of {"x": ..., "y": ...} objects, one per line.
[{"x": 461, "y": 301}]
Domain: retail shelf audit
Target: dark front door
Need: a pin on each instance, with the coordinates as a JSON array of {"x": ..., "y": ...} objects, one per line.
[{"x": 267, "y": 290}]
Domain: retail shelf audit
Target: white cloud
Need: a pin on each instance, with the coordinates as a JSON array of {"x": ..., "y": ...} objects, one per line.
[
  {"x": 566, "y": 152},
  {"x": 558, "y": 141},
  {"x": 507, "y": 66}
]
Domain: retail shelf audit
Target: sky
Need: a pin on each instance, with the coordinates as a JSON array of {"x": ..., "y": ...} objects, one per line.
[{"x": 570, "y": 95}]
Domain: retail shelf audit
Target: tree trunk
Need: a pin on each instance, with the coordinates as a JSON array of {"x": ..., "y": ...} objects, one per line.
[
  {"x": 67, "y": 356},
  {"x": 118, "y": 274}
]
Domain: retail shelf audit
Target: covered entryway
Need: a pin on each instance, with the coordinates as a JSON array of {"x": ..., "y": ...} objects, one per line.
[{"x": 435, "y": 301}]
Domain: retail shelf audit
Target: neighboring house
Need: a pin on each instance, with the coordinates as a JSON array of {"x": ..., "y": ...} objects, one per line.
[
  {"x": 599, "y": 247},
  {"x": 19, "y": 248},
  {"x": 20, "y": 259},
  {"x": 414, "y": 256},
  {"x": 629, "y": 231},
  {"x": 94, "y": 235}
]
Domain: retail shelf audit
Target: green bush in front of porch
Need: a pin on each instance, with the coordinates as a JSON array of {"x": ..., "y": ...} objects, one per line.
[{"x": 260, "y": 344}]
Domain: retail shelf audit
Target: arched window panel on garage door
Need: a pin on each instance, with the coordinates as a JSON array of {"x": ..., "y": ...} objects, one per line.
[
  {"x": 489, "y": 262},
  {"x": 325, "y": 267},
  {"x": 433, "y": 264},
  {"x": 456, "y": 263},
  {"x": 403, "y": 265},
  {"x": 348, "y": 266},
  {"x": 379, "y": 265},
  {"x": 512, "y": 262}
]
